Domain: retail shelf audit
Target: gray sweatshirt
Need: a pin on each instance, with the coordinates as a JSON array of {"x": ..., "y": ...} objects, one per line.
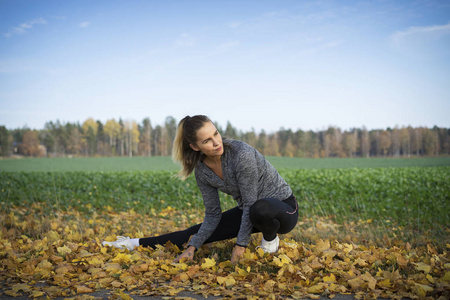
[{"x": 248, "y": 176}]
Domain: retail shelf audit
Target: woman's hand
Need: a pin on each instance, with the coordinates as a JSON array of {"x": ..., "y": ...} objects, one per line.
[
  {"x": 238, "y": 251},
  {"x": 188, "y": 253}
]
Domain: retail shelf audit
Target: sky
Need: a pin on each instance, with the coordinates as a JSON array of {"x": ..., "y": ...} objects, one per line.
[{"x": 260, "y": 65}]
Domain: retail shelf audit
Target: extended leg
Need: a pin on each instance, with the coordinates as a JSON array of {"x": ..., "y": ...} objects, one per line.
[{"x": 228, "y": 228}]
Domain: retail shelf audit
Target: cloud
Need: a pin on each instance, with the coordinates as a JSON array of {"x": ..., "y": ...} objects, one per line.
[
  {"x": 234, "y": 24},
  {"x": 185, "y": 40},
  {"x": 61, "y": 18},
  {"x": 227, "y": 46},
  {"x": 25, "y": 27},
  {"x": 434, "y": 31},
  {"x": 84, "y": 24}
]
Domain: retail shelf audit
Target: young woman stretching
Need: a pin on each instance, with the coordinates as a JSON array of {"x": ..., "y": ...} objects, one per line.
[{"x": 265, "y": 202}]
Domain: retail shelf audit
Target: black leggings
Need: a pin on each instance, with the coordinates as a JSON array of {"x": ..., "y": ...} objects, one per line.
[{"x": 269, "y": 216}]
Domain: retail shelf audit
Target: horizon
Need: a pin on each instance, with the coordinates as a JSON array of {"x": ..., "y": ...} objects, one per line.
[
  {"x": 223, "y": 126},
  {"x": 260, "y": 65}
]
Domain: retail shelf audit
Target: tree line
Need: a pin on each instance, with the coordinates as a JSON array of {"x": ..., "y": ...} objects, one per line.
[{"x": 129, "y": 138}]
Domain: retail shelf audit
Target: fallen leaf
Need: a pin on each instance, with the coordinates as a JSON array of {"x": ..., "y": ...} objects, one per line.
[
  {"x": 330, "y": 278},
  {"x": 423, "y": 267},
  {"x": 64, "y": 250},
  {"x": 322, "y": 245},
  {"x": 81, "y": 289},
  {"x": 209, "y": 263},
  {"x": 316, "y": 289}
]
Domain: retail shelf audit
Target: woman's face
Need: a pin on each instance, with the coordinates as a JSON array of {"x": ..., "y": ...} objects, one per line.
[{"x": 209, "y": 141}]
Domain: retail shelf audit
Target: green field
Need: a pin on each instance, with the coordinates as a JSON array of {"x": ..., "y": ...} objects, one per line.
[
  {"x": 406, "y": 198},
  {"x": 113, "y": 164}
]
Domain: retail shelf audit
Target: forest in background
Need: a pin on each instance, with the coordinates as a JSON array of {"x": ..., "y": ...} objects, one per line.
[{"x": 129, "y": 138}]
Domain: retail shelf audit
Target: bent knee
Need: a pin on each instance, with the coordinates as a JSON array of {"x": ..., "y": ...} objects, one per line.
[{"x": 262, "y": 208}]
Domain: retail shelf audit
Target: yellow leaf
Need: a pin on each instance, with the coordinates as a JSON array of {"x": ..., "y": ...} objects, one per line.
[
  {"x": 268, "y": 286},
  {"x": 430, "y": 278},
  {"x": 37, "y": 294},
  {"x": 401, "y": 261},
  {"x": 260, "y": 252},
  {"x": 361, "y": 262},
  {"x": 393, "y": 276},
  {"x": 316, "y": 289},
  {"x": 446, "y": 277},
  {"x": 282, "y": 260},
  {"x": 52, "y": 236},
  {"x": 122, "y": 258},
  {"x": 323, "y": 245},
  {"x": 241, "y": 272},
  {"x": 81, "y": 289},
  {"x": 123, "y": 296},
  {"x": 94, "y": 271},
  {"x": 355, "y": 283},
  {"x": 423, "y": 267},
  {"x": 181, "y": 266},
  {"x": 21, "y": 287},
  {"x": 249, "y": 255},
  {"x": 230, "y": 281},
  {"x": 96, "y": 261},
  {"x": 62, "y": 270},
  {"x": 348, "y": 248},
  {"x": 421, "y": 289},
  {"x": 174, "y": 291},
  {"x": 112, "y": 267},
  {"x": 335, "y": 288},
  {"x": 209, "y": 263},
  {"x": 193, "y": 271},
  {"x": 330, "y": 278},
  {"x": 225, "y": 264},
  {"x": 197, "y": 287},
  {"x": 64, "y": 250},
  {"x": 370, "y": 280},
  {"x": 385, "y": 283},
  {"x": 184, "y": 277},
  {"x": 45, "y": 265}
]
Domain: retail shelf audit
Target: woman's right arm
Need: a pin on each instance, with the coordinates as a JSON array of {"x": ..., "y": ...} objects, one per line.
[
  {"x": 188, "y": 254},
  {"x": 213, "y": 213}
]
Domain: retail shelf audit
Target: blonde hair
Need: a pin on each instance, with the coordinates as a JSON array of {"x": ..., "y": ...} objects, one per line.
[{"x": 185, "y": 136}]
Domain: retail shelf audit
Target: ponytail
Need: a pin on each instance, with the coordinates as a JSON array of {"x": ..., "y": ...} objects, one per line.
[{"x": 185, "y": 136}]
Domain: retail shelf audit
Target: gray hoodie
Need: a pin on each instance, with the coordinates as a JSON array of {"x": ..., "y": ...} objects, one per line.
[{"x": 248, "y": 176}]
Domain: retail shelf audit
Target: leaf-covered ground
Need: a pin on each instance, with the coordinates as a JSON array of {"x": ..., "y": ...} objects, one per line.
[{"x": 60, "y": 255}]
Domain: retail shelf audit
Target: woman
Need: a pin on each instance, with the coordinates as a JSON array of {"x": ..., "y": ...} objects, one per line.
[{"x": 265, "y": 201}]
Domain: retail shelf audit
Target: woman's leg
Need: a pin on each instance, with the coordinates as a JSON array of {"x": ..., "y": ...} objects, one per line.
[
  {"x": 228, "y": 228},
  {"x": 269, "y": 216},
  {"x": 177, "y": 238},
  {"x": 272, "y": 216}
]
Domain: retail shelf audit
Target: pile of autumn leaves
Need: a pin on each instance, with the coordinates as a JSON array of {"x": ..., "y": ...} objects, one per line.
[{"x": 61, "y": 256}]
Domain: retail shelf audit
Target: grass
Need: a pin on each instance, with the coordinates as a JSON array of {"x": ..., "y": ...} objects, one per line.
[
  {"x": 88, "y": 164},
  {"x": 370, "y": 198},
  {"x": 365, "y": 202},
  {"x": 115, "y": 164},
  {"x": 357, "y": 162}
]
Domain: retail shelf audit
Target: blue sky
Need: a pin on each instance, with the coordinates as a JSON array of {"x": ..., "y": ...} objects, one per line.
[{"x": 258, "y": 64}]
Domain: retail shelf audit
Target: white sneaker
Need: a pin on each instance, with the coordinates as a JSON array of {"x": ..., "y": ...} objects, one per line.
[
  {"x": 270, "y": 247},
  {"x": 121, "y": 243}
]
